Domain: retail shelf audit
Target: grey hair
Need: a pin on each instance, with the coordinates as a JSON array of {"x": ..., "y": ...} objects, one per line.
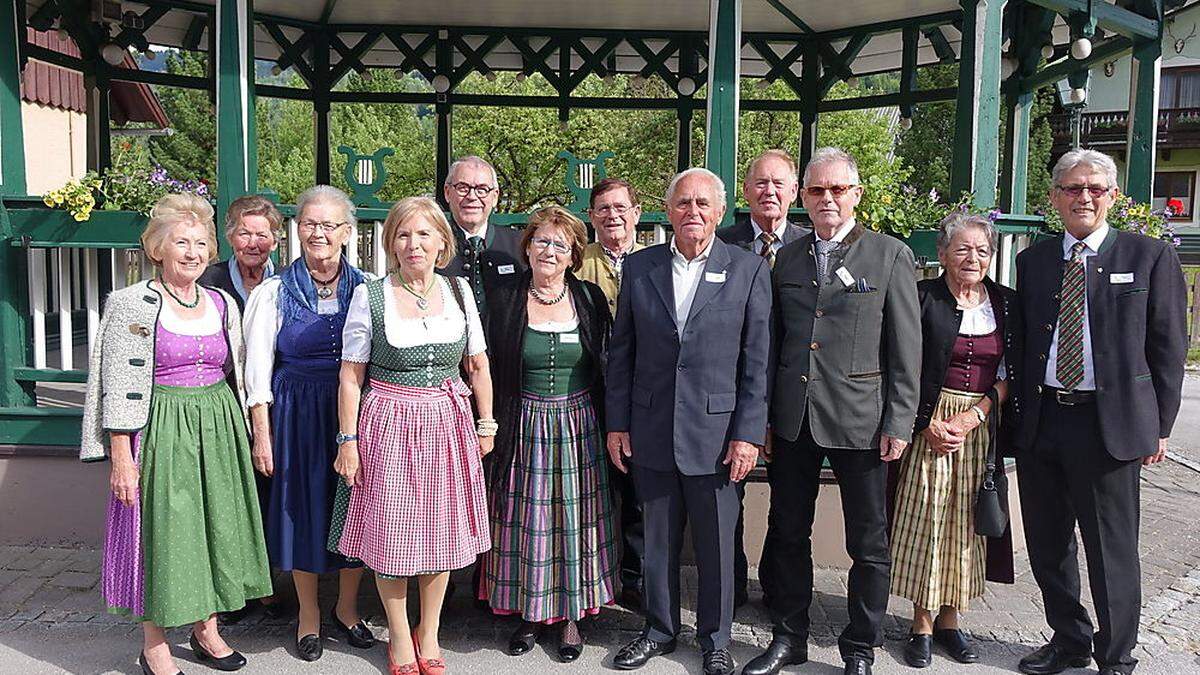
[
  {"x": 329, "y": 195},
  {"x": 1092, "y": 158},
  {"x": 829, "y": 155},
  {"x": 958, "y": 221},
  {"x": 471, "y": 159},
  {"x": 714, "y": 179}
]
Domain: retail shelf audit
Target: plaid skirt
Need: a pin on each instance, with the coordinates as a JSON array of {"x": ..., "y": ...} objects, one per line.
[
  {"x": 937, "y": 558},
  {"x": 552, "y": 523},
  {"x": 421, "y": 505}
]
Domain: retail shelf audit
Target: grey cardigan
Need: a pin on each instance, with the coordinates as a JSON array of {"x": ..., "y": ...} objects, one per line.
[{"x": 121, "y": 368}]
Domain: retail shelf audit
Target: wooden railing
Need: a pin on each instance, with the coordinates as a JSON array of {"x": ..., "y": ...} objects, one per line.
[{"x": 1176, "y": 126}]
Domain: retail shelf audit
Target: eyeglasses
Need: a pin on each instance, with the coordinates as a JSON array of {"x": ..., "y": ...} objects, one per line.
[
  {"x": 616, "y": 210},
  {"x": 820, "y": 190},
  {"x": 320, "y": 225},
  {"x": 542, "y": 244},
  {"x": 463, "y": 189},
  {"x": 1076, "y": 190}
]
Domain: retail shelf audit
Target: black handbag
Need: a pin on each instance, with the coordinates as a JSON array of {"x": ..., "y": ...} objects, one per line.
[{"x": 991, "y": 505}]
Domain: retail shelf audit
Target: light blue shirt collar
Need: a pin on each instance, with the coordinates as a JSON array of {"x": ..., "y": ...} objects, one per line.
[{"x": 235, "y": 275}]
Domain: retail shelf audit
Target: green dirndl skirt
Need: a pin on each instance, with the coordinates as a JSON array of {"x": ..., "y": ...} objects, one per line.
[{"x": 202, "y": 535}]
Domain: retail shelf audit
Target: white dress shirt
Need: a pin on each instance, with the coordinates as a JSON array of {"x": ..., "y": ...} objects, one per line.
[
  {"x": 446, "y": 327},
  {"x": 260, "y": 326},
  {"x": 757, "y": 245},
  {"x": 482, "y": 233},
  {"x": 685, "y": 278},
  {"x": 840, "y": 233},
  {"x": 1091, "y": 246}
]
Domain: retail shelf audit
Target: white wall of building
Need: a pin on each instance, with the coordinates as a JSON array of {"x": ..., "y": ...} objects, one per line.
[{"x": 55, "y": 146}]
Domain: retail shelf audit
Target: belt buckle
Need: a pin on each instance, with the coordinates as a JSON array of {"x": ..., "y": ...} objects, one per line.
[{"x": 1063, "y": 397}]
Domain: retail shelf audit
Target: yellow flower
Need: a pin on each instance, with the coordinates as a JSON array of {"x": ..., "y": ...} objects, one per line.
[
  {"x": 81, "y": 216},
  {"x": 48, "y": 200},
  {"x": 885, "y": 198}
]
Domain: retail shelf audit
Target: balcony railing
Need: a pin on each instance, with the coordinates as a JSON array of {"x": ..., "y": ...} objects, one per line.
[{"x": 1177, "y": 128}]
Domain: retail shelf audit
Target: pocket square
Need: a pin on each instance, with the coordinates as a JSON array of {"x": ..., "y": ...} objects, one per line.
[{"x": 861, "y": 286}]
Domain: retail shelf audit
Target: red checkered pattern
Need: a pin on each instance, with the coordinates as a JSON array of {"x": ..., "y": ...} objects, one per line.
[{"x": 421, "y": 506}]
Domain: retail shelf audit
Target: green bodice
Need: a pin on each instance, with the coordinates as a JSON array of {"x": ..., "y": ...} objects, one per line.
[
  {"x": 555, "y": 363},
  {"x": 422, "y": 366}
]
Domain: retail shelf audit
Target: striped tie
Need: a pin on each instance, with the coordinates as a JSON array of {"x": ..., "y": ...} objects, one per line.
[
  {"x": 1069, "y": 369},
  {"x": 768, "y": 247}
]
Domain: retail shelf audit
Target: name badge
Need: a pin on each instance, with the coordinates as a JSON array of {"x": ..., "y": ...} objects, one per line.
[
  {"x": 570, "y": 338},
  {"x": 506, "y": 269},
  {"x": 715, "y": 277},
  {"x": 845, "y": 276},
  {"x": 1120, "y": 278}
]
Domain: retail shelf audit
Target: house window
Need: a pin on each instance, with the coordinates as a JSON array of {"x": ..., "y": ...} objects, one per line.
[
  {"x": 1179, "y": 88},
  {"x": 1176, "y": 188}
]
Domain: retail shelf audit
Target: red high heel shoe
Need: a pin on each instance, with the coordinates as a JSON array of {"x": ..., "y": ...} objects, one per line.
[
  {"x": 402, "y": 669},
  {"x": 427, "y": 666}
]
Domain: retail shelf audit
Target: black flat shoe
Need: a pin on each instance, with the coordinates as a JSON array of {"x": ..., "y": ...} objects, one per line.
[
  {"x": 954, "y": 641},
  {"x": 523, "y": 638},
  {"x": 635, "y": 654},
  {"x": 233, "y": 661},
  {"x": 309, "y": 647},
  {"x": 146, "y": 666},
  {"x": 918, "y": 651},
  {"x": 857, "y": 666},
  {"x": 781, "y": 652},
  {"x": 1050, "y": 658},
  {"x": 570, "y": 642},
  {"x": 357, "y": 635}
]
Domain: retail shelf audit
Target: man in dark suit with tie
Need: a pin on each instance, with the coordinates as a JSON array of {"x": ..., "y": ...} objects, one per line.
[
  {"x": 1105, "y": 344},
  {"x": 847, "y": 337},
  {"x": 484, "y": 253},
  {"x": 770, "y": 188},
  {"x": 687, "y": 409}
]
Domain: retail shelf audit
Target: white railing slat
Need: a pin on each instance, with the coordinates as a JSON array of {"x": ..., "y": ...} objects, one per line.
[
  {"x": 379, "y": 255},
  {"x": 91, "y": 274},
  {"x": 293, "y": 241},
  {"x": 37, "y": 304},
  {"x": 66, "y": 342}
]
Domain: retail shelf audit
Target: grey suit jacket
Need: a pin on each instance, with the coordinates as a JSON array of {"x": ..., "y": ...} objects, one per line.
[
  {"x": 849, "y": 361},
  {"x": 682, "y": 398},
  {"x": 742, "y": 234}
]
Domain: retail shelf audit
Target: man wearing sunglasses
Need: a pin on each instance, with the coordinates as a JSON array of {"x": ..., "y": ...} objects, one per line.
[
  {"x": 1099, "y": 389},
  {"x": 485, "y": 254},
  {"x": 847, "y": 344}
]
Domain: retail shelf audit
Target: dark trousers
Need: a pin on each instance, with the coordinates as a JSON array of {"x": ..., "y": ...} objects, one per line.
[
  {"x": 633, "y": 545},
  {"x": 794, "y": 474},
  {"x": 1068, "y": 478},
  {"x": 669, "y": 500}
]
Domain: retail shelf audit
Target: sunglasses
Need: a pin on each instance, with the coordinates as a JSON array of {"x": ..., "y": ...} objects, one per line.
[
  {"x": 820, "y": 190},
  {"x": 1077, "y": 190}
]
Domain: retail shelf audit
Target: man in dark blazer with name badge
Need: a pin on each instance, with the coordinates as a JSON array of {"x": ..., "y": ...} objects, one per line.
[
  {"x": 1105, "y": 342},
  {"x": 687, "y": 409},
  {"x": 847, "y": 337}
]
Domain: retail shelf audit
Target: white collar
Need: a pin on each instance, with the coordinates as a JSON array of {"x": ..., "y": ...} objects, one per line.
[
  {"x": 701, "y": 257},
  {"x": 778, "y": 232},
  {"x": 482, "y": 233},
  {"x": 1092, "y": 241},
  {"x": 838, "y": 234}
]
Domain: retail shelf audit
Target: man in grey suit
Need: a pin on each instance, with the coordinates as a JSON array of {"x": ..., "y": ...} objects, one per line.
[
  {"x": 847, "y": 337},
  {"x": 687, "y": 408}
]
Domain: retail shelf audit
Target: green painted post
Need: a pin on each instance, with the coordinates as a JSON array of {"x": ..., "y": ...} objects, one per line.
[
  {"x": 1014, "y": 182},
  {"x": 683, "y": 140},
  {"x": 1143, "y": 125},
  {"x": 12, "y": 182},
  {"x": 445, "y": 149},
  {"x": 98, "y": 86},
  {"x": 724, "y": 68},
  {"x": 976, "y": 157},
  {"x": 237, "y": 171},
  {"x": 12, "y": 138},
  {"x": 321, "y": 106},
  {"x": 810, "y": 96}
]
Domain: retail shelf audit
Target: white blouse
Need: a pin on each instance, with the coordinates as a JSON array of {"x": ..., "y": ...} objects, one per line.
[
  {"x": 556, "y": 326},
  {"x": 260, "y": 325},
  {"x": 207, "y": 324},
  {"x": 417, "y": 331},
  {"x": 981, "y": 320}
]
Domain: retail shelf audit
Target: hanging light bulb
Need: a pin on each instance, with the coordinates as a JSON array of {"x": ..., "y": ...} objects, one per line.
[
  {"x": 1078, "y": 95},
  {"x": 491, "y": 76},
  {"x": 906, "y": 123},
  {"x": 276, "y": 70},
  {"x": 1008, "y": 66},
  {"x": 1047, "y": 52},
  {"x": 1081, "y": 48},
  {"x": 441, "y": 84},
  {"x": 521, "y": 76},
  {"x": 113, "y": 54},
  {"x": 63, "y": 34},
  {"x": 763, "y": 83},
  {"x": 686, "y": 86}
]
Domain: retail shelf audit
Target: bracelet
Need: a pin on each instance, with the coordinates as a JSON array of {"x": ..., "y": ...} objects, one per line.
[
  {"x": 979, "y": 413},
  {"x": 486, "y": 426}
]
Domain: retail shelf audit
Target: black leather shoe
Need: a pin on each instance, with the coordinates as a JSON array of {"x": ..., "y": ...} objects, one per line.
[
  {"x": 357, "y": 635},
  {"x": 523, "y": 638},
  {"x": 309, "y": 647},
  {"x": 779, "y": 653},
  {"x": 570, "y": 642},
  {"x": 918, "y": 651},
  {"x": 146, "y": 666},
  {"x": 954, "y": 641},
  {"x": 233, "y": 661},
  {"x": 635, "y": 654},
  {"x": 857, "y": 666},
  {"x": 718, "y": 662},
  {"x": 1109, "y": 670},
  {"x": 1050, "y": 659}
]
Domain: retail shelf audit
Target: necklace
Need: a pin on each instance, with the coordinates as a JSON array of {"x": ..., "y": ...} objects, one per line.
[
  {"x": 422, "y": 303},
  {"x": 176, "y": 298},
  {"x": 325, "y": 292},
  {"x": 537, "y": 295}
]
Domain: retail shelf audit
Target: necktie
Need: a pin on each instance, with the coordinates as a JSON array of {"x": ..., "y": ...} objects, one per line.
[
  {"x": 1069, "y": 369},
  {"x": 823, "y": 250},
  {"x": 768, "y": 247}
]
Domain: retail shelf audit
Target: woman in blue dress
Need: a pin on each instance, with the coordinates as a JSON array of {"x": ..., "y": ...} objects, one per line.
[{"x": 293, "y": 349}]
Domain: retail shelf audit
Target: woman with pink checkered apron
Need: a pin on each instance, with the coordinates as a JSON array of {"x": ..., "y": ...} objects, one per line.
[{"x": 409, "y": 448}]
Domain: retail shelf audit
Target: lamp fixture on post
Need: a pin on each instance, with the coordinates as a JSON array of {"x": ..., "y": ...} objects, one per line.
[
  {"x": 113, "y": 54},
  {"x": 441, "y": 84},
  {"x": 1081, "y": 48},
  {"x": 906, "y": 123},
  {"x": 686, "y": 86}
]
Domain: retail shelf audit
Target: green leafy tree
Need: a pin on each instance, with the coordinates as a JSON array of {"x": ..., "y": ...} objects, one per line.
[{"x": 190, "y": 152}]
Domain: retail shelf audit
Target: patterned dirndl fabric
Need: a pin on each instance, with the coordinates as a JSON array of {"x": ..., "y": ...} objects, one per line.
[
  {"x": 553, "y": 554},
  {"x": 937, "y": 558}
]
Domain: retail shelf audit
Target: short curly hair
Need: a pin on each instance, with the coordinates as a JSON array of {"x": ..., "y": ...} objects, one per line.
[
  {"x": 566, "y": 222},
  {"x": 173, "y": 210}
]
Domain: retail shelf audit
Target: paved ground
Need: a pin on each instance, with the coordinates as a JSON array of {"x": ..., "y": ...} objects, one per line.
[{"x": 51, "y": 617}]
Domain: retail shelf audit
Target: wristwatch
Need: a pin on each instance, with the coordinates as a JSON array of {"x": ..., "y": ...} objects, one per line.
[
  {"x": 343, "y": 437},
  {"x": 979, "y": 413}
]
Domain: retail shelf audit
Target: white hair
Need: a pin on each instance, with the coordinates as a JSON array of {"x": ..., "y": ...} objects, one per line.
[
  {"x": 958, "y": 221},
  {"x": 717, "y": 184},
  {"x": 829, "y": 155},
  {"x": 1092, "y": 158},
  {"x": 470, "y": 159},
  {"x": 326, "y": 194}
]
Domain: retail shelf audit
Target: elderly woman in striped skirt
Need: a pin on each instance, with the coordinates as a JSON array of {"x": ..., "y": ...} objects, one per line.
[{"x": 969, "y": 326}]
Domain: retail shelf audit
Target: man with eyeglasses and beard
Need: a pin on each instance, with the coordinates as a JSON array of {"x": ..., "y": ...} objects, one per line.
[
  {"x": 847, "y": 350},
  {"x": 484, "y": 253}
]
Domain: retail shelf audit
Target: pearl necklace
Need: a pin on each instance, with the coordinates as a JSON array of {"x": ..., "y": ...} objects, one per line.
[{"x": 537, "y": 295}]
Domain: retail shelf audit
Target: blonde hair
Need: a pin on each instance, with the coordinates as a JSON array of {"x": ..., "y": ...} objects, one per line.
[
  {"x": 566, "y": 222},
  {"x": 173, "y": 210},
  {"x": 417, "y": 207}
]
